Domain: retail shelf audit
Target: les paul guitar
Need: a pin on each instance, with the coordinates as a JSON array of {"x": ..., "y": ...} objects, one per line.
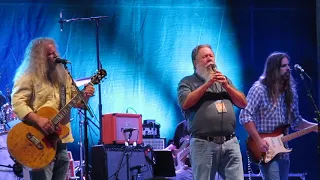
[
  {"x": 275, "y": 141},
  {"x": 28, "y": 145}
]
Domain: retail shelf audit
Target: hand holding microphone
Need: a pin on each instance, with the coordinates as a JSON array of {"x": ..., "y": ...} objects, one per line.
[{"x": 216, "y": 76}]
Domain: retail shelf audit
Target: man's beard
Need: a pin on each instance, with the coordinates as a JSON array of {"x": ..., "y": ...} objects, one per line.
[
  {"x": 285, "y": 80},
  {"x": 204, "y": 72},
  {"x": 57, "y": 74},
  {"x": 286, "y": 76}
]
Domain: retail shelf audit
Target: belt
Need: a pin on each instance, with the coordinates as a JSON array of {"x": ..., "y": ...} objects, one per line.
[
  {"x": 61, "y": 146},
  {"x": 216, "y": 139}
]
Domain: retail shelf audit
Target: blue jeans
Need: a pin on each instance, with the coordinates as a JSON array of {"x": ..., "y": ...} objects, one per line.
[
  {"x": 277, "y": 169},
  {"x": 207, "y": 158},
  {"x": 57, "y": 170}
]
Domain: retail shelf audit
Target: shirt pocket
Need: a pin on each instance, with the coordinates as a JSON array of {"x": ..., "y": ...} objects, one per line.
[{"x": 43, "y": 93}]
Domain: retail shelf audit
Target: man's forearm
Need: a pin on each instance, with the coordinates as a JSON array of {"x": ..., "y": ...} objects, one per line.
[
  {"x": 252, "y": 131},
  {"x": 304, "y": 124},
  {"x": 237, "y": 97},
  {"x": 195, "y": 96}
]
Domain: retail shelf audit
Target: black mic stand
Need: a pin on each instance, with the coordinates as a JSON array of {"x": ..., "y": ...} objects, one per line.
[
  {"x": 314, "y": 105},
  {"x": 80, "y": 141},
  {"x": 127, "y": 146},
  {"x": 99, "y": 65},
  {"x": 85, "y": 124}
]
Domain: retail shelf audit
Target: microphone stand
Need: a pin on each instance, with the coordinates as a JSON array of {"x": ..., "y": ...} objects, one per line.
[
  {"x": 127, "y": 144},
  {"x": 85, "y": 124},
  {"x": 99, "y": 65},
  {"x": 314, "y": 105},
  {"x": 80, "y": 142}
]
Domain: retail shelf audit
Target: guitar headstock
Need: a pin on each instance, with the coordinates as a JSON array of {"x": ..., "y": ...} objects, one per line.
[{"x": 101, "y": 73}]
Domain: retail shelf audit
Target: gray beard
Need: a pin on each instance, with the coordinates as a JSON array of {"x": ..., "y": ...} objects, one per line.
[
  {"x": 58, "y": 75},
  {"x": 204, "y": 73}
]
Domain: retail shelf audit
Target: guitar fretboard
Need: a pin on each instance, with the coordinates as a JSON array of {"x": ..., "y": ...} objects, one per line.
[
  {"x": 299, "y": 133},
  {"x": 65, "y": 110},
  {"x": 185, "y": 152}
]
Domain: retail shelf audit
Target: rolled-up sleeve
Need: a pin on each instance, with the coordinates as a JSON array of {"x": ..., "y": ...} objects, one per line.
[
  {"x": 183, "y": 91},
  {"x": 253, "y": 98},
  {"x": 21, "y": 94}
]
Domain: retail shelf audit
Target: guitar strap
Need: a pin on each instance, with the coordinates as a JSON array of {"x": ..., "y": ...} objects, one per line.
[{"x": 62, "y": 92}]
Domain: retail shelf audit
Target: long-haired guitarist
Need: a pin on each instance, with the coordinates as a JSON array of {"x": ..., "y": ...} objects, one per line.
[
  {"x": 272, "y": 104},
  {"x": 39, "y": 82}
]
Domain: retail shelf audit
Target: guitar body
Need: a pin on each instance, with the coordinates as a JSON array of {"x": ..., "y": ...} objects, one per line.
[
  {"x": 30, "y": 147},
  {"x": 275, "y": 147},
  {"x": 181, "y": 154}
]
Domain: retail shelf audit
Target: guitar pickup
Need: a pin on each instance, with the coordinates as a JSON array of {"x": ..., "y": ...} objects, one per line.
[{"x": 35, "y": 141}]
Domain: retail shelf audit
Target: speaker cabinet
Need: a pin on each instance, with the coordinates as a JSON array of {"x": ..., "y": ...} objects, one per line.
[
  {"x": 110, "y": 160},
  {"x": 114, "y": 126}
]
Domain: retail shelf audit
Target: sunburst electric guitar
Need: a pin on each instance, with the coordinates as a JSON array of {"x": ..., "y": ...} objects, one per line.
[
  {"x": 28, "y": 145},
  {"x": 275, "y": 141}
]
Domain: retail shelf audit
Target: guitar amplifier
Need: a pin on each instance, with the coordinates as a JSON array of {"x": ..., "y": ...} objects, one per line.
[
  {"x": 156, "y": 143},
  {"x": 109, "y": 162},
  {"x": 116, "y": 128},
  {"x": 151, "y": 130}
]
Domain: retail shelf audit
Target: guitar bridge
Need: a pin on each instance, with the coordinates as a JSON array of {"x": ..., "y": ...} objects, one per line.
[{"x": 34, "y": 141}]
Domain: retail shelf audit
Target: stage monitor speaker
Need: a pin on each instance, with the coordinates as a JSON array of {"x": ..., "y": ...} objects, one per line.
[
  {"x": 114, "y": 126},
  {"x": 110, "y": 160},
  {"x": 164, "y": 164}
]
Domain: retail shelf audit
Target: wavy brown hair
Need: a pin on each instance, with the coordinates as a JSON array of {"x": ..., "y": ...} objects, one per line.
[
  {"x": 35, "y": 63},
  {"x": 276, "y": 84}
]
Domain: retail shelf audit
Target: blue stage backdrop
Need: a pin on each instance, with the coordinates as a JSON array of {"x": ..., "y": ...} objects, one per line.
[{"x": 146, "y": 49}]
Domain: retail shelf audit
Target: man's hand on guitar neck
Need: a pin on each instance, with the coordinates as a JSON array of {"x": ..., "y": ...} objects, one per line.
[{"x": 44, "y": 123}]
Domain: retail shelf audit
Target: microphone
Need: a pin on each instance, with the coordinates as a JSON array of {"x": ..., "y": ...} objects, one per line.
[
  {"x": 297, "y": 67},
  {"x": 129, "y": 129},
  {"x": 62, "y": 61},
  {"x": 61, "y": 21},
  {"x": 214, "y": 67}
]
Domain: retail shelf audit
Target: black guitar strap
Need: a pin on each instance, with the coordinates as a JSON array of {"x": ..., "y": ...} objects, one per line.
[{"x": 62, "y": 93}]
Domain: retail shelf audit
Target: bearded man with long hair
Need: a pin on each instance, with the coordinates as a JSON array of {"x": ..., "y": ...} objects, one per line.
[
  {"x": 273, "y": 103},
  {"x": 38, "y": 82}
]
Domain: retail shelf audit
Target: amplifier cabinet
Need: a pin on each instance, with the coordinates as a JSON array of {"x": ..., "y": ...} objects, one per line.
[
  {"x": 108, "y": 160},
  {"x": 156, "y": 143},
  {"x": 114, "y": 126}
]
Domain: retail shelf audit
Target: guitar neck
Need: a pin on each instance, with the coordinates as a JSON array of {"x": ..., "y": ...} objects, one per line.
[
  {"x": 65, "y": 110},
  {"x": 299, "y": 133},
  {"x": 182, "y": 147},
  {"x": 185, "y": 152}
]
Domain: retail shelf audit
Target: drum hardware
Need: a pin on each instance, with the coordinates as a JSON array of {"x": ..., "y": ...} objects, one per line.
[{"x": 16, "y": 167}]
